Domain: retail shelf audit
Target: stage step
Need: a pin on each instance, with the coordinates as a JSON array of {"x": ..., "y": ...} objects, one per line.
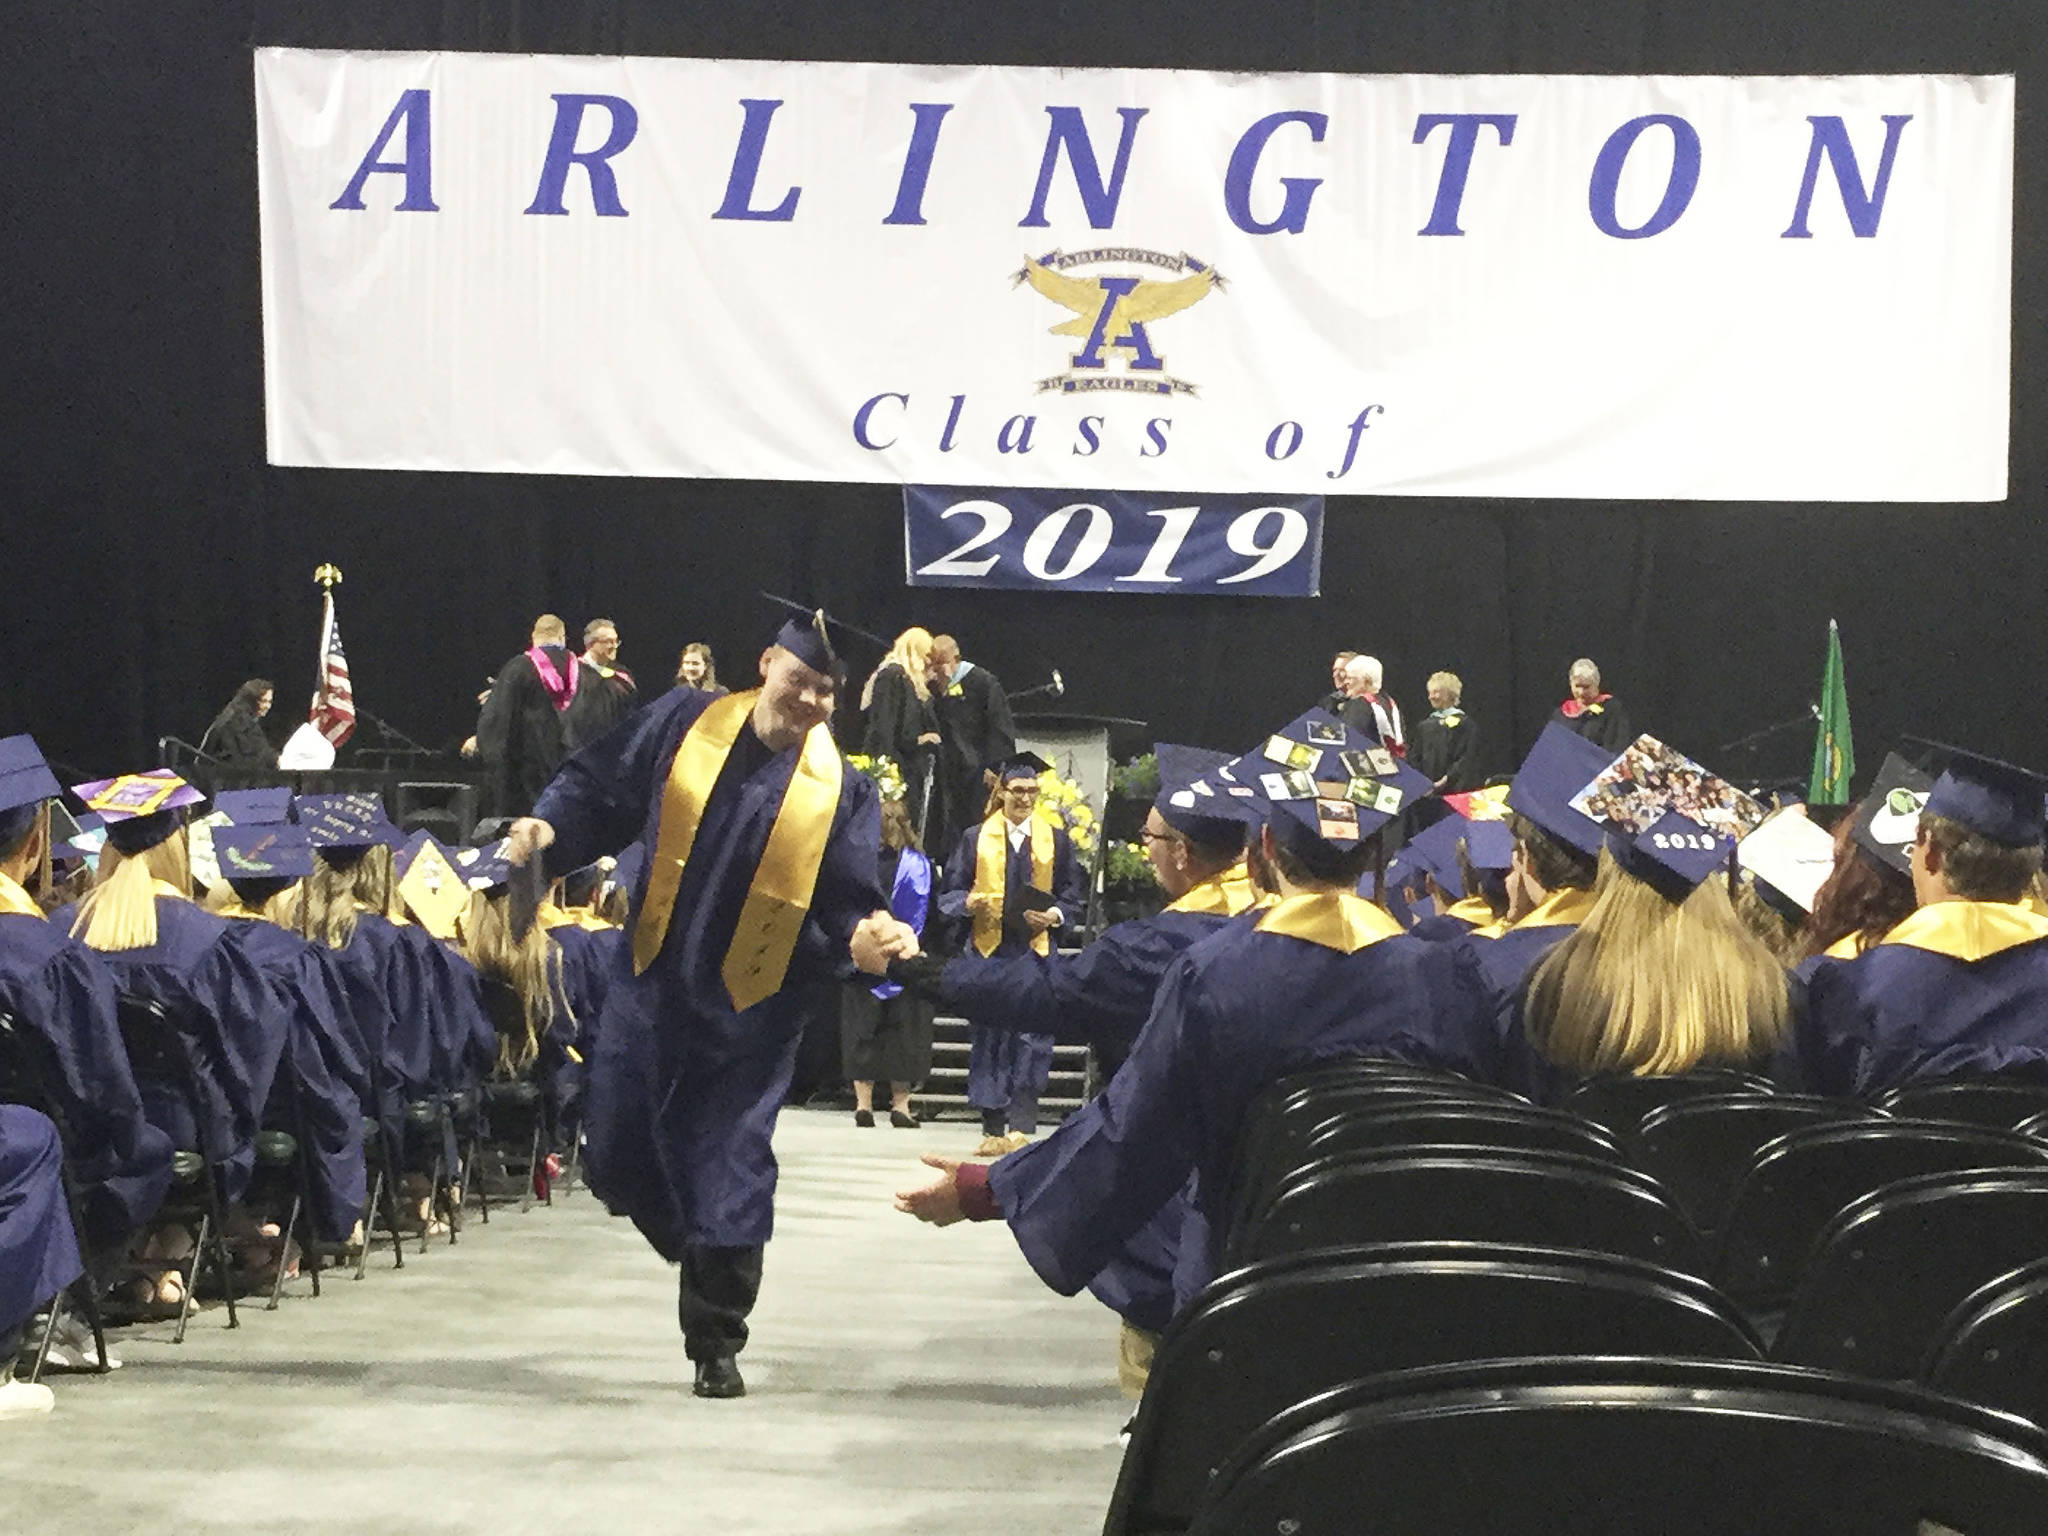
[{"x": 945, "y": 1091}]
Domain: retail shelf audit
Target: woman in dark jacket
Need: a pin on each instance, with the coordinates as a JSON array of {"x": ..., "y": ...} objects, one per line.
[
  {"x": 902, "y": 724},
  {"x": 236, "y": 735}
]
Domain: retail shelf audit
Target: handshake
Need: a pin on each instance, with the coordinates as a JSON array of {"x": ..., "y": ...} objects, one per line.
[{"x": 918, "y": 974}]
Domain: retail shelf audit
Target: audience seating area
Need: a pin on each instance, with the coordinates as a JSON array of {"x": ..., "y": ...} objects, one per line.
[{"x": 1659, "y": 1309}]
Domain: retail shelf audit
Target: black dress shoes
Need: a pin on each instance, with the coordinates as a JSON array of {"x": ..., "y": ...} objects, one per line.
[
  {"x": 720, "y": 1377},
  {"x": 902, "y": 1120},
  {"x": 864, "y": 1118}
]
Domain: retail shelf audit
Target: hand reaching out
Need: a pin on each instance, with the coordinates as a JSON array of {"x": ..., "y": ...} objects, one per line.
[
  {"x": 939, "y": 1201},
  {"x": 879, "y": 938}
]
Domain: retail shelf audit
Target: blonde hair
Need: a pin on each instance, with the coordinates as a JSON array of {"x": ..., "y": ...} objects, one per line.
[
  {"x": 531, "y": 967},
  {"x": 374, "y": 884},
  {"x": 322, "y": 907},
  {"x": 1450, "y": 682},
  {"x": 549, "y": 629},
  {"x": 120, "y": 912},
  {"x": 1653, "y": 987},
  {"x": 912, "y": 652}
]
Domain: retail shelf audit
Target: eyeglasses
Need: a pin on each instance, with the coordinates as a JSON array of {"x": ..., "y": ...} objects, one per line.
[{"x": 1147, "y": 835}]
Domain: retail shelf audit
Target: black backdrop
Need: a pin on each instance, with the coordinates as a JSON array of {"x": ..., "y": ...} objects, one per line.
[{"x": 152, "y": 560}]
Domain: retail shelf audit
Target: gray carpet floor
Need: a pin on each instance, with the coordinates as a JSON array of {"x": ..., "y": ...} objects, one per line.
[{"x": 531, "y": 1379}]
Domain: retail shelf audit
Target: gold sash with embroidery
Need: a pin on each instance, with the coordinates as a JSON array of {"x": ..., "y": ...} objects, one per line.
[
  {"x": 991, "y": 863},
  {"x": 787, "y": 875},
  {"x": 1224, "y": 894},
  {"x": 1969, "y": 930},
  {"x": 18, "y": 901},
  {"x": 1336, "y": 920}
]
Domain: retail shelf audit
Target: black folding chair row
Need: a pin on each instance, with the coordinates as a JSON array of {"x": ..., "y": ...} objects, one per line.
[
  {"x": 1265, "y": 1337},
  {"x": 1700, "y": 1148},
  {"x": 1620, "y": 1101},
  {"x": 2000, "y": 1103},
  {"x": 1993, "y": 1348},
  {"x": 1619, "y": 1447}
]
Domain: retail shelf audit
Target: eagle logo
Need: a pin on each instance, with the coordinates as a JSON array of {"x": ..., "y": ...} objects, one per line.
[{"x": 1110, "y": 313}]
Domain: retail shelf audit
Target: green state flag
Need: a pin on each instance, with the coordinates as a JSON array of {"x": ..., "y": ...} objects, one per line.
[{"x": 1834, "y": 748}]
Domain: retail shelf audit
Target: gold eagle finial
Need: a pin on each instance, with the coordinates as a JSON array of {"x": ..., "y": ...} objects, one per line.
[{"x": 328, "y": 576}]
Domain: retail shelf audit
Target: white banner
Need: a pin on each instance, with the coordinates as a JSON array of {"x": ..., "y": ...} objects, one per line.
[{"x": 1670, "y": 287}]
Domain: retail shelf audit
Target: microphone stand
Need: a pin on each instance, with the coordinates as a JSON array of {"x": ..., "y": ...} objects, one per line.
[{"x": 1754, "y": 739}]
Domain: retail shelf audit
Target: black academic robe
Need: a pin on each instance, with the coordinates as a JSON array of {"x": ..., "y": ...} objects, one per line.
[
  {"x": 604, "y": 697},
  {"x": 1444, "y": 748},
  {"x": 976, "y": 732},
  {"x": 896, "y": 718},
  {"x": 1604, "y": 722},
  {"x": 236, "y": 738},
  {"x": 520, "y": 736}
]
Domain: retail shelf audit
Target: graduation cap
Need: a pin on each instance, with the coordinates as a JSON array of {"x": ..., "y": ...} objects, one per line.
[
  {"x": 482, "y": 869},
  {"x": 1027, "y": 765},
  {"x": 815, "y": 638},
  {"x": 25, "y": 784},
  {"x": 1434, "y": 851},
  {"x": 1327, "y": 784},
  {"x": 1560, "y": 765},
  {"x": 1186, "y": 802},
  {"x": 1789, "y": 857},
  {"x": 82, "y": 837},
  {"x": 254, "y": 807},
  {"x": 139, "y": 810},
  {"x": 429, "y": 885},
  {"x": 341, "y": 823},
  {"x": 1674, "y": 854},
  {"x": 262, "y": 851},
  {"x": 1889, "y": 819},
  {"x": 1996, "y": 800}
]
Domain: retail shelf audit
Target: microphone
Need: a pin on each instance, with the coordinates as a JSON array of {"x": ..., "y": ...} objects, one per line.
[
  {"x": 1059, "y": 686},
  {"x": 1814, "y": 710}
]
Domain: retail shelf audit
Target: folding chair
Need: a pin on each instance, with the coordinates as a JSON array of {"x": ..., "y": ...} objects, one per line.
[
  {"x": 26, "y": 1073},
  {"x": 1799, "y": 1181},
  {"x": 1888, "y": 1271},
  {"x": 1621, "y": 1447},
  {"x": 1620, "y": 1102},
  {"x": 1998, "y": 1102},
  {"x": 1470, "y": 1194},
  {"x": 1266, "y": 1337},
  {"x": 1699, "y": 1149},
  {"x": 163, "y": 1050},
  {"x": 517, "y": 1107},
  {"x": 1993, "y": 1349},
  {"x": 1521, "y": 1127}
]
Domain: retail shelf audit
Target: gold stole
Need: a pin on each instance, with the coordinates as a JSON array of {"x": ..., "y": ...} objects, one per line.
[
  {"x": 1565, "y": 908},
  {"x": 548, "y": 915},
  {"x": 17, "y": 901},
  {"x": 992, "y": 862},
  {"x": 1969, "y": 930},
  {"x": 1336, "y": 920},
  {"x": 787, "y": 875},
  {"x": 1473, "y": 909},
  {"x": 1221, "y": 895}
]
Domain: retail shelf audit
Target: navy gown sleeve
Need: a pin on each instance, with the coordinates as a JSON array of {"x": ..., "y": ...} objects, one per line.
[
  {"x": 1095, "y": 996},
  {"x": 1069, "y": 883},
  {"x": 849, "y": 884},
  {"x": 599, "y": 798},
  {"x": 1831, "y": 1037},
  {"x": 958, "y": 881}
]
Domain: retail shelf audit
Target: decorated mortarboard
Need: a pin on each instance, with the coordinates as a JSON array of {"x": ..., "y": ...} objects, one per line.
[
  {"x": 1997, "y": 800},
  {"x": 140, "y": 810},
  {"x": 254, "y": 807},
  {"x": 1187, "y": 802},
  {"x": 815, "y": 638},
  {"x": 1561, "y": 764},
  {"x": 341, "y": 822},
  {"x": 1022, "y": 765},
  {"x": 482, "y": 869},
  {"x": 1791, "y": 855},
  {"x": 430, "y": 886},
  {"x": 1328, "y": 782},
  {"x": 262, "y": 851},
  {"x": 1889, "y": 819},
  {"x": 1674, "y": 853}
]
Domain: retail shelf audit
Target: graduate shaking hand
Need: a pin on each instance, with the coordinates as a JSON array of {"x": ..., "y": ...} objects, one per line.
[
  {"x": 939, "y": 1201},
  {"x": 879, "y": 938},
  {"x": 529, "y": 835}
]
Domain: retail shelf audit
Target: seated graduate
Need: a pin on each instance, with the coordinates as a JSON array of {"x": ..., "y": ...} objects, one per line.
[
  {"x": 1661, "y": 976},
  {"x": 1784, "y": 863},
  {"x": 1320, "y": 976},
  {"x": 1557, "y": 849},
  {"x": 525, "y": 998},
  {"x": 1870, "y": 891},
  {"x": 1101, "y": 995},
  {"x": 329, "y": 1080},
  {"x": 1960, "y": 987},
  {"x": 38, "y": 1250},
  {"x": 587, "y": 947},
  {"x": 161, "y": 945},
  {"x": 58, "y": 990},
  {"x": 1000, "y": 878},
  {"x": 885, "y": 1029},
  {"x": 1462, "y": 866}
]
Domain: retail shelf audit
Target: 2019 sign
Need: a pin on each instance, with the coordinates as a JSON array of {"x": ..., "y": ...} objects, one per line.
[{"x": 1113, "y": 541}]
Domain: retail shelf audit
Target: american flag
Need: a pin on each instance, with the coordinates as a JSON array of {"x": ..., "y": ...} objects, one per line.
[{"x": 334, "y": 705}]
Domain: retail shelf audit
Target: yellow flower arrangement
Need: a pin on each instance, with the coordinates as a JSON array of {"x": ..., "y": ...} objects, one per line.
[
  {"x": 883, "y": 770},
  {"x": 1062, "y": 804}
]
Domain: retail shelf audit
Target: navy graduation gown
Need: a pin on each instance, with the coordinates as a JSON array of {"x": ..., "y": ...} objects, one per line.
[
  {"x": 324, "y": 1060},
  {"x": 53, "y": 985},
  {"x": 204, "y": 978},
  {"x": 1004, "y": 1062},
  {"x": 382, "y": 981},
  {"x": 683, "y": 1090},
  {"x": 1235, "y": 1012},
  {"x": 1900, "y": 1014},
  {"x": 38, "y": 1250}
]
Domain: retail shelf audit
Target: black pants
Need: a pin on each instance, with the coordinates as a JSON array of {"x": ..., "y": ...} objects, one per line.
[{"x": 718, "y": 1290}]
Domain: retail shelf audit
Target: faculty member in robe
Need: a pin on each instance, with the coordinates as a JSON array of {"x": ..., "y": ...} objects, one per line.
[
  {"x": 1587, "y": 711},
  {"x": 1445, "y": 746},
  {"x": 975, "y": 733},
  {"x": 759, "y": 886},
  {"x": 1015, "y": 879},
  {"x": 521, "y": 736}
]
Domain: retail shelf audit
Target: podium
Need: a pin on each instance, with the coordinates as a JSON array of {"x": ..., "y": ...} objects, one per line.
[{"x": 1079, "y": 747}]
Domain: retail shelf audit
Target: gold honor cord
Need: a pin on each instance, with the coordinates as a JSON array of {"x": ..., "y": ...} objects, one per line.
[
  {"x": 787, "y": 875},
  {"x": 991, "y": 862},
  {"x": 1222, "y": 895},
  {"x": 1330, "y": 919},
  {"x": 1969, "y": 930},
  {"x": 18, "y": 902}
]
